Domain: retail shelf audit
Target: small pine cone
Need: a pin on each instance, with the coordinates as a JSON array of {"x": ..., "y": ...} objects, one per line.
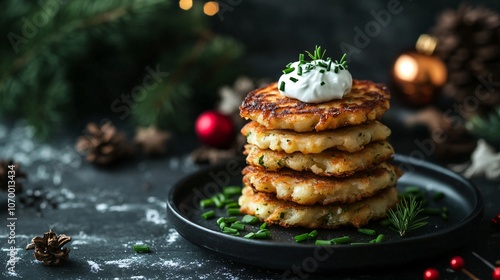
[
  {"x": 11, "y": 170},
  {"x": 103, "y": 145},
  {"x": 48, "y": 249},
  {"x": 469, "y": 44}
]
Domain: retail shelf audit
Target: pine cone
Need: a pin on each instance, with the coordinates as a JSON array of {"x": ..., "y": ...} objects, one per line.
[
  {"x": 18, "y": 175},
  {"x": 48, "y": 248},
  {"x": 469, "y": 44},
  {"x": 103, "y": 145}
]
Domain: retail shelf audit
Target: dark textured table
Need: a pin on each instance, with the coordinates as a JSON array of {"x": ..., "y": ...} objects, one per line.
[{"x": 108, "y": 210}]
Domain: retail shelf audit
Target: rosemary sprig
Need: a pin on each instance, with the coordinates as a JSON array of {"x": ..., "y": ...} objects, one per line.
[{"x": 404, "y": 219}]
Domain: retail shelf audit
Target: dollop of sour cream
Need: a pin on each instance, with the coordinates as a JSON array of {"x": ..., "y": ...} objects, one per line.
[{"x": 316, "y": 83}]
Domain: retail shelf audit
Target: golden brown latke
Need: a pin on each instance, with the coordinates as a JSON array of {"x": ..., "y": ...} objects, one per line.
[
  {"x": 328, "y": 163},
  {"x": 367, "y": 101},
  {"x": 350, "y": 139},
  {"x": 268, "y": 208},
  {"x": 308, "y": 189}
]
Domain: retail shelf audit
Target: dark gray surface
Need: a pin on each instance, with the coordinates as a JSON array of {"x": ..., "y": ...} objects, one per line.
[{"x": 106, "y": 211}]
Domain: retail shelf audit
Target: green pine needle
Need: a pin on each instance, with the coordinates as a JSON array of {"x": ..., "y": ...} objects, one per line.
[{"x": 404, "y": 218}]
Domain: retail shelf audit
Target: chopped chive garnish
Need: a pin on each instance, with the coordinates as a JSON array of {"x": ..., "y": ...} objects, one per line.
[
  {"x": 262, "y": 235},
  {"x": 301, "y": 57},
  {"x": 238, "y": 226},
  {"x": 293, "y": 79},
  {"x": 232, "y": 205},
  {"x": 301, "y": 237},
  {"x": 438, "y": 196},
  {"x": 282, "y": 86},
  {"x": 220, "y": 220},
  {"x": 313, "y": 234},
  {"x": 233, "y": 211},
  {"x": 322, "y": 83},
  {"x": 248, "y": 219},
  {"x": 250, "y": 235},
  {"x": 299, "y": 71},
  {"x": 222, "y": 225},
  {"x": 229, "y": 230},
  {"x": 341, "y": 240},
  {"x": 228, "y": 201},
  {"x": 288, "y": 65},
  {"x": 336, "y": 70},
  {"x": 379, "y": 238},
  {"x": 263, "y": 226},
  {"x": 231, "y": 190},
  {"x": 288, "y": 70},
  {"x": 367, "y": 231},
  {"x": 230, "y": 219},
  {"x": 329, "y": 66},
  {"x": 320, "y": 242},
  {"x": 322, "y": 71},
  {"x": 206, "y": 202},
  {"x": 208, "y": 215},
  {"x": 217, "y": 201},
  {"x": 141, "y": 248}
]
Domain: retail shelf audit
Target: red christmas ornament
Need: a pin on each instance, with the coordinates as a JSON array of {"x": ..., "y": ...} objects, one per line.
[
  {"x": 496, "y": 222},
  {"x": 431, "y": 274},
  {"x": 496, "y": 273},
  {"x": 215, "y": 129},
  {"x": 457, "y": 263}
]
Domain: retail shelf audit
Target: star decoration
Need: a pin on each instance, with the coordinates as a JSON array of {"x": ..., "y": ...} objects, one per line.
[{"x": 151, "y": 140}]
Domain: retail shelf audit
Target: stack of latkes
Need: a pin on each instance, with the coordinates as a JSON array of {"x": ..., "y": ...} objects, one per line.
[{"x": 318, "y": 165}]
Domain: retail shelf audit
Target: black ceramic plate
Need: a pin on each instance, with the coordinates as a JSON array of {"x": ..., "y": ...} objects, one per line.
[{"x": 462, "y": 200}]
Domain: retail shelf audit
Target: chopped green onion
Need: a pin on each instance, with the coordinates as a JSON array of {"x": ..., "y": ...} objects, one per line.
[
  {"x": 233, "y": 211},
  {"x": 248, "y": 219},
  {"x": 379, "y": 238},
  {"x": 263, "y": 233},
  {"x": 329, "y": 66},
  {"x": 322, "y": 71},
  {"x": 313, "y": 234},
  {"x": 238, "y": 226},
  {"x": 288, "y": 70},
  {"x": 341, "y": 240},
  {"x": 336, "y": 69},
  {"x": 263, "y": 226},
  {"x": 320, "y": 242},
  {"x": 206, "y": 202},
  {"x": 208, "y": 215},
  {"x": 301, "y": 57},
  {"x": 232, "y": 205},
  {"x": 359, "y": 243},
  {"x": 301, "y": 237},
  {"x": 250, "y": 235},
  {"x": 438, "y": 196},
  {"x": 228, "y": 201},
  {"x": 230, "y": 220},
  {"x": 288, "y": 65},
  {"x": 231, "y": 190},
  {"x": 217, "y": 201},
  {"x": 141, "y": 248},
  {"x": 322, "y": 83},
  {"x": 293, "y": 79},
  {"x": 229, "y": 230},
  {"x": 367, "y": 231},
  {"x": 299, "y": 71},
  {"x": 222, "y": 225},
  {"x": 282, "y": 86},
  {"x": 220, "y": 220}
]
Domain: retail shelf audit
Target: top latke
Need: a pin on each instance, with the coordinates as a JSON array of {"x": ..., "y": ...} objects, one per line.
[{"x": 367, "y": 101}]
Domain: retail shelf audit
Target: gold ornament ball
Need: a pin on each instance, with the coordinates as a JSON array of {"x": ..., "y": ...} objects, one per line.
[{"x": 418, "y": 76}]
